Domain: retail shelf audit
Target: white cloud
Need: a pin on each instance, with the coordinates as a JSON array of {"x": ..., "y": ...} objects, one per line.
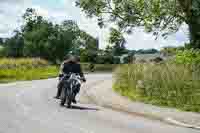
[
  {"x": 139, "y": 40},
  {"x": 10, "y": 15},
  {"x": 41, "y": 11}
]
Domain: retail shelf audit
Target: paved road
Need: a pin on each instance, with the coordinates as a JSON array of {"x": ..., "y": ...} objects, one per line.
[{"x": 28, "y": 107}]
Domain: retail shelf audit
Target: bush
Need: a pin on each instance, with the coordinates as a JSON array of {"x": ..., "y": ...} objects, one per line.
[
  {"x": 173, "y": 85},
  {"x": 2, "y": 51},
  {"x": 157, "y": 60},
  {"x": 104, "y": 67},
  {"x": 105, "y": 59},
  {"x": 128, "y": 59},
  {"x": 188, "y": 57},
  {"x": 116, "y": 60}
]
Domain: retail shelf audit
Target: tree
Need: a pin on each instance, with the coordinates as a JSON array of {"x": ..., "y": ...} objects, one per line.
[
  {"x": 46, "y": 40},
  {"x": 14, "y": 46},
  {"x": 2, "y": 48},
  {"x": 157, "y": 16},
  {"x": 118, "y": 42},
  {"x": 108, "y": 57},
  {"x": 39, "y": 37},
  {"x": 1, "y": 41},
  {"x": 90, "y": 47},
  {"x": 35, "y": 33}
]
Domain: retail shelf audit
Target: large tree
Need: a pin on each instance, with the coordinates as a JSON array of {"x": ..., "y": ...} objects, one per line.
[
  {"x": 88, "y": 46},
  {"x": 118, "y": 42},
  {"x": 39, "y": 37},
  {"x": 14, "y": 46},
  {"x": 157, "y": 16},
  {"x": 44, "y": 39}
]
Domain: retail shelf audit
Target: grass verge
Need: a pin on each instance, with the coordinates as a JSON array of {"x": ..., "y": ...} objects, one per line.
[
  {"x": 25, "y": 69},
  {"x": 170, "y": 85},
  {"x": 19, "y": 74},
  {"x": 18, "y": 69}
]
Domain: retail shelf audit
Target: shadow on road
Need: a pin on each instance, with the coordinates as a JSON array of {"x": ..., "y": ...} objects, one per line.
[{"x": 83, "y": 108}]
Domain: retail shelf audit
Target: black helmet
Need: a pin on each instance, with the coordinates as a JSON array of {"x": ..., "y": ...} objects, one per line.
[
  {"x": 78, "y": 58},
  {"x": 66, "y": 57}
]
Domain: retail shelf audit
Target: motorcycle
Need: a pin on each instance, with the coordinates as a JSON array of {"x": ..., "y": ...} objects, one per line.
[{"x": 70, "y": 88}]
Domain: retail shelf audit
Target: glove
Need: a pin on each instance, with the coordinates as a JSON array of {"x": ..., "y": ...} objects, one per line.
[{"x": 60, "y": 75}]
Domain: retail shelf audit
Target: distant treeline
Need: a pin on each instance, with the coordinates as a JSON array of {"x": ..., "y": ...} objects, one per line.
[
  {"x": 42, "y": 38},
  {"x": 39, "y": 37}
]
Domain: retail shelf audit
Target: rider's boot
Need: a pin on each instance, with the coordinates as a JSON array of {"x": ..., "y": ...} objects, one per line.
[
  {"x": 58, "y": 94},
  {"x": 56, "y": 97},
  {"x": 59, "y": 87},
  {"x": 74, "y": 99}
]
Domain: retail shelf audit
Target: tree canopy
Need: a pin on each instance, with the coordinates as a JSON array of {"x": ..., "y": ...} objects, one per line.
[
  {"x": 39, "y": 37},
  {"x": 161, "y": 17}
]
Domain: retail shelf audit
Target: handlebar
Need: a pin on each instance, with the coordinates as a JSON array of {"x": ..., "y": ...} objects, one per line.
[{"x": 76, "y": 74}]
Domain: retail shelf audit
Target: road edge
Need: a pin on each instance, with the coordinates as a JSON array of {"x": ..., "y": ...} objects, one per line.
[{"x": 96, "y": 98}]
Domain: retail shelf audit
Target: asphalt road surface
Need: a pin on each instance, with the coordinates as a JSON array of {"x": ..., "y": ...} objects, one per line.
[{"x": 29, "y": 107}]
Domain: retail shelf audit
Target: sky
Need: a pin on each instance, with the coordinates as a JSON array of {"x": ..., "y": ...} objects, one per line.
[{"x": 11, "y": 12}]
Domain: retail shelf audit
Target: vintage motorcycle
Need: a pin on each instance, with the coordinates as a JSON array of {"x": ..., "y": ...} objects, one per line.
[{"x": 70, "y": 88}]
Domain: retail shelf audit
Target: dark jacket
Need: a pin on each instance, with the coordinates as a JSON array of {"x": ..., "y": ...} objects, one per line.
[
  {"x": 67, "y": 68},
  {"x": 71, "y": 67}
]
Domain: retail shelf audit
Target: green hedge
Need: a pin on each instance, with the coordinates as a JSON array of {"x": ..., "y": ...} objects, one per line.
[{"x": 173, "y": 85}]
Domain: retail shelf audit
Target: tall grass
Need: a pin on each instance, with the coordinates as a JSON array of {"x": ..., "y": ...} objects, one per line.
[
  {"x": 14, "y": 69},
  {"x": 11, "y": 63},
  {"x": 167, "y": 84},
  {"x": 25, "y": 69}
]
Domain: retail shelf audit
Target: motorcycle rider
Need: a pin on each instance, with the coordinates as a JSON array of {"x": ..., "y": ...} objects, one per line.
[{"x": 70, "y": 65}]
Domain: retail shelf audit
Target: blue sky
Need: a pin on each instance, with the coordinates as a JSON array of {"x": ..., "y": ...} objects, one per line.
[
  {"x": 59, "y": 10},
  {"x": 49, "y": 3}
]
